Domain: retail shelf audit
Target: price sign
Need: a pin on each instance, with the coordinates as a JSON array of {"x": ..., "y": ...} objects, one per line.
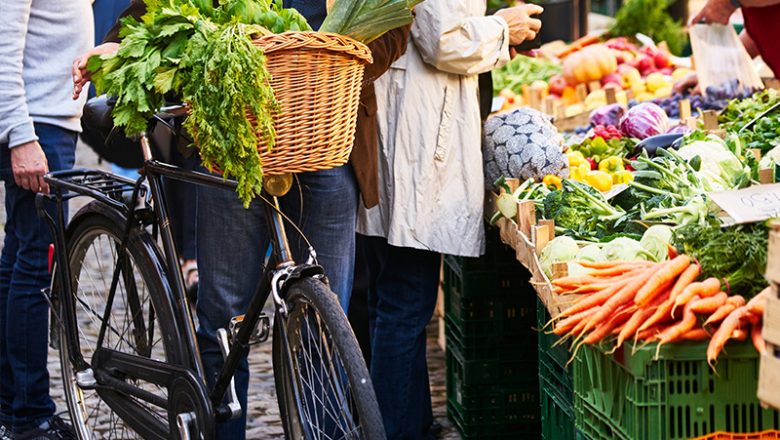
[{"x": 750, "y": 205}]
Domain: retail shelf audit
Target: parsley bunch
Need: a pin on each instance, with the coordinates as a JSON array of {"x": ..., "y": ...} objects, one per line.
[{"x": 205, "y": 56}]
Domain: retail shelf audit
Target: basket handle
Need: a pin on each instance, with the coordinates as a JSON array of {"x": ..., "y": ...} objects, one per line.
[{"x": 315, "y": 40}]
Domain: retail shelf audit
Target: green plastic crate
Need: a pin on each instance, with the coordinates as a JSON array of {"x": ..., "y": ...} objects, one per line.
[
  {"x": 483, "y": 371},
  {"x": 633, "y": 397},
  {"x": 492, "y": 347},
  {"x": 557, "y": 413},
  {"x": 506, "y": 312},
  {"x": 521, "y": 429},
  {"x": 556, "y": 388}
]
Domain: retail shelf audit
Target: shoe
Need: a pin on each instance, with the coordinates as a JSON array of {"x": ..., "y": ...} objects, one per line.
[
  {"x": 56, "y": 429},
  {"x": 435, "y": 429},
  {"x": 5, "y": 433}
]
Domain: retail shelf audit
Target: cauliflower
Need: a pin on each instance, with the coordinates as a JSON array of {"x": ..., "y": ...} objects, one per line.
[{"x": 720, "y": 169}]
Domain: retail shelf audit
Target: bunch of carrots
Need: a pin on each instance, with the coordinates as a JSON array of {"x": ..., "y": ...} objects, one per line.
[{"x": 656, "y": 302}]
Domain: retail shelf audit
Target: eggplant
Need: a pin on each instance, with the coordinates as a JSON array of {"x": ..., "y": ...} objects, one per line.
[{"x": 653, "y": 143}]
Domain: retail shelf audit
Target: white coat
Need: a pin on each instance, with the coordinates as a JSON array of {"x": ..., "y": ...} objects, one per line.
[{"x": 431, "y": 187}]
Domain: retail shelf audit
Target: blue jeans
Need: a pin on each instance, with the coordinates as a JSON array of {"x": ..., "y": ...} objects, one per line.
[
  {"x": 24, "y": 312},
  {"x": 232, "y": 244},
  {"x": 402, "y": 289}
]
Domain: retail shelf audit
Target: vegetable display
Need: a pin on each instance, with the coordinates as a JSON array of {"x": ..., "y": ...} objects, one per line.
[
  {"x": 523, "y": 71},
  {"x": 624, "y": 301},
  {"x": 764, "y": 134},
  {"x": 589, "y": 64}
]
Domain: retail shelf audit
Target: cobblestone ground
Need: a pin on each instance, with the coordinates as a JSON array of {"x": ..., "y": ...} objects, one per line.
[{"x": 263, "y": 420}]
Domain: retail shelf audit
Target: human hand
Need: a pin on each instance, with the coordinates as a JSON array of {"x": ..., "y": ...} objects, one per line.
[
  {"x": 688, "y": 82},
  {"x": 521, "y": 26},
  {"x": 29, "y": 164},
  {"x": 715, "y": 11},
  {"x": 80, "y": 73}
]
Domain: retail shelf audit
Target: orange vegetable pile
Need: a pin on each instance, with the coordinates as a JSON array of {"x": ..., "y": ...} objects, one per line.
[{"x": 656, "y": 302}]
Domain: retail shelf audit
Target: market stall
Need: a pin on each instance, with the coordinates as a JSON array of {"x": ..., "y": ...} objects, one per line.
[{"x": 640, "y": 215}]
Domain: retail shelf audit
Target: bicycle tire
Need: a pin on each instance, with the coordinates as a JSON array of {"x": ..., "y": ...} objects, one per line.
[
  {"x": 95, "y": 225},
  {"x": 303, "y": 297}
]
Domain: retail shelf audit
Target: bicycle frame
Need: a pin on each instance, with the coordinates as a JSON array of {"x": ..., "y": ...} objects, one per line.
[{"x": 154, "y": 171}]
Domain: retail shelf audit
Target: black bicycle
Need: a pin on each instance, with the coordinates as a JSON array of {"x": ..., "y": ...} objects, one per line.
[{"x": 126, "y": 334}]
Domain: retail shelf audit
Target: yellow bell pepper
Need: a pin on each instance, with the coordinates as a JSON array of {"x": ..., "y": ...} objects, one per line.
[
  {"x": 612, "y": 164},
  {"x": 575, "y": 159},
  {"x": 552, "y": 180},
  {"x": 600, "y": 180},
  {"x": 623, "y": 176},
  {"x": 579, "y": 172}
]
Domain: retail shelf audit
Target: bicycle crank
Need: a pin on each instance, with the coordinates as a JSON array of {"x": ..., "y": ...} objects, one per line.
[{"x": 189, "y": 415}]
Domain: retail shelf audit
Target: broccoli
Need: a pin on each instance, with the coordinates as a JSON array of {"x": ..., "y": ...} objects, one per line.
[{"x": 581, "y": 211}]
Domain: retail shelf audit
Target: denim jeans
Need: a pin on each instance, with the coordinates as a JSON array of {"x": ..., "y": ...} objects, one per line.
[
  {"x": 402, "y": 290},
  {"x": 24, "y": 312},
  {"x": 232, "y": 244}
]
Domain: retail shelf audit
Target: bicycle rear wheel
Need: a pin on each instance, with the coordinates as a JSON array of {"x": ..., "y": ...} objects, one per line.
[
  {"x": 328, "y": 394},
  {"x": 140, "y": 323}
]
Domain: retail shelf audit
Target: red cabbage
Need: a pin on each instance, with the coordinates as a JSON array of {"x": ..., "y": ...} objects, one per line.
[
  {"x": 644, "y": 120},
  {"x": 607, "y": 115}
]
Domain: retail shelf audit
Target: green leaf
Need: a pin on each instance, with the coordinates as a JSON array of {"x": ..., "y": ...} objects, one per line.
[{"x": 163, "y": 81}]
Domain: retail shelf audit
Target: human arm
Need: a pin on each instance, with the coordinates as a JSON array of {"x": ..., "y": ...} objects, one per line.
[
  {"x": 719, "y": 11},
  {"x": 750, "y": 45},
  {"x": 451, "y": 39},
  {"x": 28, "y": 161}
]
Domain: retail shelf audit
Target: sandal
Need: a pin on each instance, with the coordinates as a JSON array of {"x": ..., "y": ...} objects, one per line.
[{"x": 189, "y": 270}]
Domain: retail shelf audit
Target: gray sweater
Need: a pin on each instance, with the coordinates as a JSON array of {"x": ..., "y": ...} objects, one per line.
[{"x": 39, "y": 39}]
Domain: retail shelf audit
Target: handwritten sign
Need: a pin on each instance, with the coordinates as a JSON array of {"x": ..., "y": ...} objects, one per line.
[{"x": 750, "y": 205}]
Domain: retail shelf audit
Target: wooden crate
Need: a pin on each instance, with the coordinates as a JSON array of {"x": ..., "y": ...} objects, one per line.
[{"x": 769, "y": 371}]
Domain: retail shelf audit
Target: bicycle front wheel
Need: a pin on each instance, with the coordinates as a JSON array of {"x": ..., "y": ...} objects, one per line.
[
  {"x": 322, "y": 383},
  {"x": 138, "y": 321}
]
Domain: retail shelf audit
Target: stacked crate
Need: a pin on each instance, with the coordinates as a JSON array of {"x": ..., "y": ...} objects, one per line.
[
  {"x": 556, "y": 386},
  {"x": 769, "y": 374},
  {"x": 490, "y": 315}
]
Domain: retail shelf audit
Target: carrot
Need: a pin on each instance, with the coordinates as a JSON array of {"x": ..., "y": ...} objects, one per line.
[
  {"x": 697, "y": 334},
  {"x": 661, "y": 314},
  {"x": 623, "y": 296},
  {"x": 665, "y": 274},
  {"x": 614, "y": 271},
  {"x": 605, "y": 329},
  {"x": 758, "y": 341},
  {"x": 705, "y": 289},
  {"x": 575, "y": 281},
  {"x": 675, "y": 332},
  {"x": 610, "y": 264},
  {"x": 687, "y": 277},
  {"x": 578, "y": 44},
  {"x": 671, "y": 251},
  {"x": 723, "y": 334},
  {"x": 731, "y": 304},
  {"x": 633, "y": 324},
  {"x": 649, "y": 335},
  {"x": 757, "y": 304},
  {"x": 569, "y": 323},
  {"x": 593, "y": 300},
  {"x": 739, "y": 335},
  {"x": 709, "y": 305}
]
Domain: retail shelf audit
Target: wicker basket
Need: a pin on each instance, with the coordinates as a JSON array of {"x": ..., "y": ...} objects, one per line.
[{"x": 317, "y": 78}]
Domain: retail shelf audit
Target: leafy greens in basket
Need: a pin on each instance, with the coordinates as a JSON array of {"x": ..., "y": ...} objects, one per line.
[{"x": 204, "y": 55}]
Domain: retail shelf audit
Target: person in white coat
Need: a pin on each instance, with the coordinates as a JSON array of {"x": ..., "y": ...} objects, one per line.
[{"x": 431, "y": 188}]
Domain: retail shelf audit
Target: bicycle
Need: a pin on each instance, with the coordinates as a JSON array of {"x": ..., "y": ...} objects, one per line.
[{"x": 127, "y": 343}]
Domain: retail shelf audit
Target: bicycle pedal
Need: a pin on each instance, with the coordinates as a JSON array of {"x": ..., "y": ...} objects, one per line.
[{"x": 261, "y": 331}]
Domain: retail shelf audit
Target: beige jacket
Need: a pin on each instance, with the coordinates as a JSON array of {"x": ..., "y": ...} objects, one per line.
[{"x": 430, "y": 159}]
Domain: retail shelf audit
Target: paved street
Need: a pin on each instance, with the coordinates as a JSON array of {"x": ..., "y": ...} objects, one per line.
[{"x": 263, "y": 410}]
